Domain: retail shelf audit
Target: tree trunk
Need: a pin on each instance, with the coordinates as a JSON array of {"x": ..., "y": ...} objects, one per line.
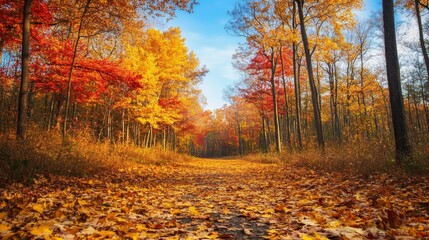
[
  {"x": 64, "y": 132},
  {"x": 123, "y": 126},
  {"x": 402, "y": 142},
  {"x": 240, "y": 140},
  {"x": 274, "y": 95},
  {"x": 421, "y": 37},
  {"x": 286, "y": 107},
  {"x": 337, "y": 118},
  {"x": 51, "y": 112},
  {"x": 25, "y": 61},
  {"x": 30, "y": 103},
  {"x": 314, "y": 94},
  {"x": 296, "y": 76},
  {"x": 264, "y": 134},
  {"x": 296, "y": 81},
  {"x": 416, "y": 107},
  {"x": 422, "y": 91}
]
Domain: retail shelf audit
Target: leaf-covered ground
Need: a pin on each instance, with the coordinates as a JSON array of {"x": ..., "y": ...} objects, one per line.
[{"x": 217, "y": 199}]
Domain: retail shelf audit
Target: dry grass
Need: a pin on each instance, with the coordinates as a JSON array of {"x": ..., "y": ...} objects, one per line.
[
  {"x": 46, "y": 153},
  {"x": 267, "y": 158},
  {"x": 361, "y": 158}
]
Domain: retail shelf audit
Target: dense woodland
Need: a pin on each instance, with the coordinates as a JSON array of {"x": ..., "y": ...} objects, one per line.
[
  {"x": 96, "y": 66},
  {"x": 313, "y": 75},
  {"x": 101, "y": 117}
]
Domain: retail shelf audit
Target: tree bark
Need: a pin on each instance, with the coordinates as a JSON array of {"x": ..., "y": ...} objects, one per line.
[
  {"x": 314, "y": 94},
  {"x": 69, "y": 82},
  {"x": 240, "y": 140},
  {"x": 25, "y": 62},
  {"x": 421, "y": 37},
  {"x": 264, "y": 134},
  {"x": 296, "y": 82},
  {"x": 286, "y": 106},
  {"x": 402, "y": 142},
  {"x": 274, "y": 95}
]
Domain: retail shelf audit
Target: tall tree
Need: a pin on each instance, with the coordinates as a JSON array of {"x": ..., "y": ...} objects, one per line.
[
  {"x": 255, "y": 21},
  {"x": 402, "y": 142},
  {"x": 313, "y": 89},
  {"x": 70, "y": 75},
  {"x": 25, "y": 62},
  {"x": 421, "y": 37}
]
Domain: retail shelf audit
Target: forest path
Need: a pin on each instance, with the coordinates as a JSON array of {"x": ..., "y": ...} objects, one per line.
[{"x": 219, "y": 199}]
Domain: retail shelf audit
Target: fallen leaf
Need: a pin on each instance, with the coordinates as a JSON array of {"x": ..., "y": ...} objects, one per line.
[
  {"x": 38, "y": 208},
  {"x": 194, "y": 211},
  {"x": 247, "y": 231},
  {"x": 42, "y": 230},
  {"x": 4, "y": 228}
]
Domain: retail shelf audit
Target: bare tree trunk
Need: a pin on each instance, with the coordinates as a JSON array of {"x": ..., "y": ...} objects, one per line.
[
  {"x": 402, "y": 142},
  {"x": 331, "y": 97},
  {"x": 25, "y": 62},
  {"x": 275, "y": 107},
  {"x": 51, "y": 112},
  {"x": 337, "y": 118},
  {"x": 164, "y": 139},
  {"x": 123, "y": 126},
  {"x": 30, "y": 103},
  {"x": 297, "y": 83},
  {"x": 264, "y": 134},
  {"x": 314, "y": 94},
  {"x": 422, "y": 92},
  {"x": 64, "y": 132},
  {"x": 240, "y": 140},
  {"x": 128, "y": 128},
  {"x": 421, "y": 37},
  {"x": 416, "y": 107},
  {"x": 286, "y": 107},
  {"x": 296, "y": 76}
]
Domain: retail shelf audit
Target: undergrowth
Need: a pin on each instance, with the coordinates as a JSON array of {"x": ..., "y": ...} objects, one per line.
[
  {"x": 360, "y": 158},
  {"x": 45, "y": 153}
]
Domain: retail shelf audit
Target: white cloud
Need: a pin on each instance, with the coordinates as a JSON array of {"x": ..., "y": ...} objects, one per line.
[{"x": 219, "y": 60}]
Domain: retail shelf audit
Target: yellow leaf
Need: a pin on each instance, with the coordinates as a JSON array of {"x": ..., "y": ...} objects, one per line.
[
  {"x": 306, "y": 237},
  {"x": 226, "y": 211},
  {"x": 194, "y": 211},
  {"x": 316, "y": 237},
  {"x": 38, "y": 208},
  {"x": 42, "y": 230},
  {"x": 133, "y": 236},
  {"x": 333, "y": 224},
  {"x": 319, "y": 237},
  {"x": 174, "y": 211},
  {"x": 107, "y": 233},
  {"x": 4, "y": 228},
  {"x": 141, "y": 228}
]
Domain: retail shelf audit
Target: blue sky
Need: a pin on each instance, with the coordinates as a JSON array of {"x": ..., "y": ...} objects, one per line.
[{"x": 205, "y": 35}]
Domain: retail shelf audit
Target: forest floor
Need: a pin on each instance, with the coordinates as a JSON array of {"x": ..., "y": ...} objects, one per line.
[{"x": 217, "y": 199}]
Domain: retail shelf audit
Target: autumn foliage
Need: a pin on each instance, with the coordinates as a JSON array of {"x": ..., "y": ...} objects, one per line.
[
  {"x": 93, "y": 68},
  {"x": 112, "y": 114}
]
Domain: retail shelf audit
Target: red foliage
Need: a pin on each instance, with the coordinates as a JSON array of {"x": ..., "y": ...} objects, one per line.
[
  {"x": 258, "y": 87},
  {"x": 11, "y": 20}
]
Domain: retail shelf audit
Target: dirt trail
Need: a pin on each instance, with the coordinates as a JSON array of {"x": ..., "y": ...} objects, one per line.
[{"x": 216, "y": 198}]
